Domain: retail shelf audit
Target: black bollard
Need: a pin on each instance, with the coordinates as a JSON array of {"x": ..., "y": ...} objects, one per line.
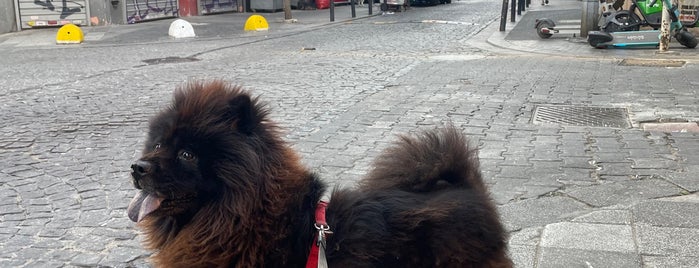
[
  {"x": 352, "y": 4},
  {"x": 503, "y": 15},
  {"x": 332, "y": 10}
]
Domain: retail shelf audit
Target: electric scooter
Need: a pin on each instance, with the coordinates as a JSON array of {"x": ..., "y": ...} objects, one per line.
[
  {"x": 651, "y": 14},
  {"x": 621, "y": 28},
  {"x": 545, "y": 27}
]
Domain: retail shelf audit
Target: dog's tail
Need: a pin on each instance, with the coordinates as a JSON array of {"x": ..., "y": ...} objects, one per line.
[{"x": 426, "y": 162}]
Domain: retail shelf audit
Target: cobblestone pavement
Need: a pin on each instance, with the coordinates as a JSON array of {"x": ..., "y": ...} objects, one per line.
[{"x": 73, "y": 118}]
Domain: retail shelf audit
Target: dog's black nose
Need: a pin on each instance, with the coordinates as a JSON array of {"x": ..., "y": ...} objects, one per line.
[{"x": 141, "y": 167}]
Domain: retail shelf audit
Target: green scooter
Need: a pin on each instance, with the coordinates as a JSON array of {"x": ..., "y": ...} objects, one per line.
[{"x": 621, "y": 28}]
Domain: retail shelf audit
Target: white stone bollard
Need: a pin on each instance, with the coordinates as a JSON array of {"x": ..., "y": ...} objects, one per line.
[{"x": 181, "y": 29}]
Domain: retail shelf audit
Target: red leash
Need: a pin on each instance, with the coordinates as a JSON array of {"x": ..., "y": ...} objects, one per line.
[{"x": 316, "y": 258}]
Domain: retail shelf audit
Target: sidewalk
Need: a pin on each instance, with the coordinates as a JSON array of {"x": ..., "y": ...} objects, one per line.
[
  {"x": 217, "y": 26},
  {"x": 518, "y": 36},
  {"x": 521, "y": 36}
]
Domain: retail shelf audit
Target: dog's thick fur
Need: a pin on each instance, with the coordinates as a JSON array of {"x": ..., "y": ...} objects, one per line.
[{"x": 220, "y": 188}]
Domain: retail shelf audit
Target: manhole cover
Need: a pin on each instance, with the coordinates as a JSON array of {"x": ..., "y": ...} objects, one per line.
[
  {"x": 581, "y": 116},
  {"x": 169, "y": 60},
  {"x": 652, "y": 63}
]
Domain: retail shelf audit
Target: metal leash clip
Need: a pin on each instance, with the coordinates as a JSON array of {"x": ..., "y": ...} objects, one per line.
[{"x": 323, "y": 231}]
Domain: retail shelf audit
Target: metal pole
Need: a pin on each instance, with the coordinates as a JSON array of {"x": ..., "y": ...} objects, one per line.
[
  {"x": 665, "y": 28},
  {"x": 18, "y": 19},
  {"x": 520, "y": 7},
  {"x": 332, "y": 10},
  {"x": 371, "y": 4},
  {"x": 503, "y": 15},
  {"x": 352, "y": 4},
  {"x": 513, "y": 10}
]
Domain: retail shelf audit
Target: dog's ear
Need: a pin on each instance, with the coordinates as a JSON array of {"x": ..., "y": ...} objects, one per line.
[{"x": 244, "y": 114}]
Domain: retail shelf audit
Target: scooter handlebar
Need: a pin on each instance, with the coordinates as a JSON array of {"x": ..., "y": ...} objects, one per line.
[{"x": 652, "y": 3}]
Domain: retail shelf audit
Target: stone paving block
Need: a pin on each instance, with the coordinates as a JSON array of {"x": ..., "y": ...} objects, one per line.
[
  {"x": 523, "y": 256},
  {"x": 667, "y": 241},
  {"x": 515, "y": 172},
  {"x": 667, "y": 213},
  {"x": 632, "y": 135},
  {"x": 546, "y": 155},
  {"x": 633, "y": 144},
  {"x": 688, "y": 180},
  {"x": 539, "y": 212},
  {"x": 503, "y": 192},
  {"x": 487, "y": 153},
  {"x": 546, "y": 141},
  {"x": 119, "y": 255},
  {"x": 650, "y": 152},
  {"x": 607, "y": 142},
  {"x": 606, "y": 217},
  {"x": 13, "y": 262},
  {"x": 611, "y": 157},
  {"x": 549, "y": 165},
  {"x": 11, "y": 209},
  {"x": 517, "y": 158},
  {"x": 564, "y": 257},
  {"x": 612, "y": 193},
  {"x": 526, "y": 236},
  {"x": 579, "y": 177},
  {"x": 674, "y": 262},
  {"x": 614, "y": 169},
  {"x": 495, "y": 136},
  {"x": 518, "y": 145},
  {"x": 583, "y": 162},
  {"x": 597, "y": 133},
  {"x": 86, "y": 260},
  {"x": 616, "y": 178},
  {"x": 653, "y": 163},
  {"x": 545, "y": 179},
  {"x": 589, "y": 236}
]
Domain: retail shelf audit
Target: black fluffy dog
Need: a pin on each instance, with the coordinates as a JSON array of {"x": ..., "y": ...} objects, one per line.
[{"x": 220, "y": 188}]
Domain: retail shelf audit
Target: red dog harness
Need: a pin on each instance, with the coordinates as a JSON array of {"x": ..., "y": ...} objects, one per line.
[{"x": 316, "y": 259}]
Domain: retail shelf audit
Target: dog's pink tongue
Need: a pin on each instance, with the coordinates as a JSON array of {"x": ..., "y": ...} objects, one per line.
[{"x": 143, "y": 204}]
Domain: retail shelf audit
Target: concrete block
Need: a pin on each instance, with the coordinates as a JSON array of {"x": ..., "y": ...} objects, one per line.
[
  {"x": 606, "y": 217},
  {"x": 522, "y": 255},
  {"x": 526, "y": 236},
  {"x": 666, "y": 241},
  {"x": 674, "y": 262},
  {"x": 560, "y": 257},
  {"x": 588, "y": 236},
  {"x": 539, "y": 212},
  {"x": 688, "y": 180},
  {"x": 623, "y": 192},
  {"x": 667, "y": 214}
]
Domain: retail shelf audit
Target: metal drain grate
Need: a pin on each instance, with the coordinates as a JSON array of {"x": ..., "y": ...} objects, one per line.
[
  {"x": 581, "y": 116},
  {"x": 652, "y": 63}
]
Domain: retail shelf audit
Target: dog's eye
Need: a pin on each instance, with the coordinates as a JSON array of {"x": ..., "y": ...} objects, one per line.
[{"x": 186, "y": 156}]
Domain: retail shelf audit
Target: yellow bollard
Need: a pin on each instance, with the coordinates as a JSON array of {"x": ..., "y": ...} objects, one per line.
[
  {"x": 256, "y": 23},
  {"x": 69, "y": 34}
]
